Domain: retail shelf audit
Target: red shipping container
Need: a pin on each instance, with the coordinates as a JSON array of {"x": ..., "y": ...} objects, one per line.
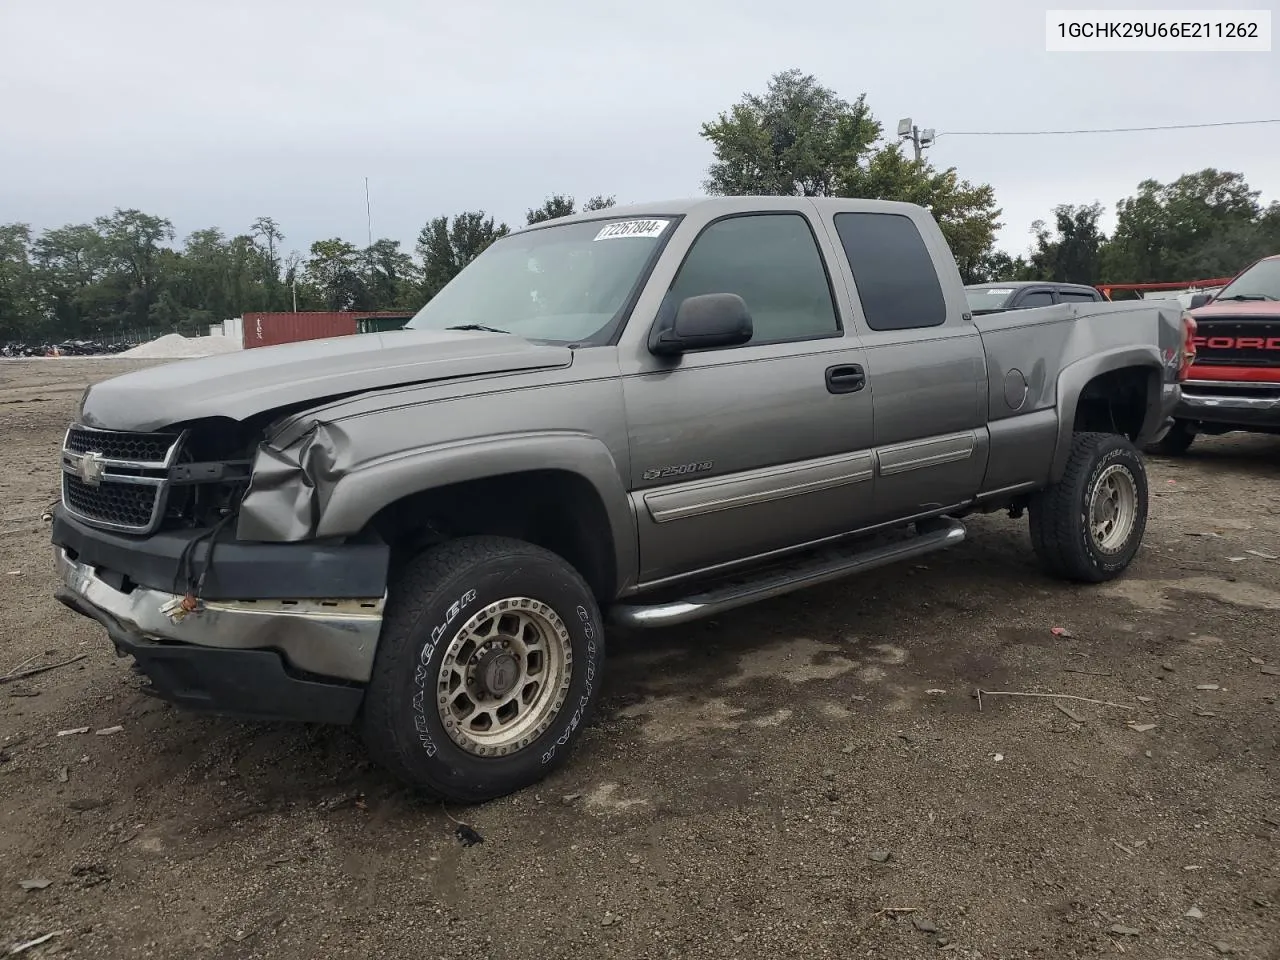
[{"x": 269, "y": 329}]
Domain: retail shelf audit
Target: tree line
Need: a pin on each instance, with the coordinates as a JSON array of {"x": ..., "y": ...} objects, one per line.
[
  {"x": 123, "y": 272},
  {"x": 1201, "y": 226}
]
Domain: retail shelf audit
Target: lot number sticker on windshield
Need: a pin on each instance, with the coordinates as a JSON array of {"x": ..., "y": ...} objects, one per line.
[
  {"x": 995, "y": 292},
  {"x": 632, "y": 228}
]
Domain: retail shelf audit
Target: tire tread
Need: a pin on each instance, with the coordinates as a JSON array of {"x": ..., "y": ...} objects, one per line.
[
  {"x": 411, "y": 594},
  {"x": 1053, "y": 513}
]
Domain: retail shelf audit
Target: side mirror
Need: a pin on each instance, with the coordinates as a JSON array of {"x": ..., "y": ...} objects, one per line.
[
  {"x": 1200, "y": 299},
  {"x": 709, "y": 320}
]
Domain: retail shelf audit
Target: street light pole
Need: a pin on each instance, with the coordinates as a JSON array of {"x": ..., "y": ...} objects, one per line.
[{"x": 920, "y": 139}]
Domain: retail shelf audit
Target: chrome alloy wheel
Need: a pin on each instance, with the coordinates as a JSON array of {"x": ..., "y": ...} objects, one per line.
[
  {"x": 504, "y": 677},
  {"x": 1113, "y": 508}
]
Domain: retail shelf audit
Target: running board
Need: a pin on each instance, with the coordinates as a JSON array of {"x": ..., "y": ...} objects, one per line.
[{"x": 935, "y": 534}]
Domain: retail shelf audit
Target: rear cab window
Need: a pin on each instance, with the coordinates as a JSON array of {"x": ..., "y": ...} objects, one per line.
[
  {"x": 892, "y": 270},
  {"x": 988, "y": 299}
]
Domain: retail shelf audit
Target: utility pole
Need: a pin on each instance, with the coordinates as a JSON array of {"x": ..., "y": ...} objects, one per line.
[
  {"x": 368, "y": 211},
  {"x": 920, "y": 139},
  {"x": 368, "y": 220}
]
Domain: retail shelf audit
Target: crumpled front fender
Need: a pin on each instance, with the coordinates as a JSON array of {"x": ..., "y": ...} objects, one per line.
[
  {"x": 318, "y": 483},
  {"x": 291, "y": 485}
]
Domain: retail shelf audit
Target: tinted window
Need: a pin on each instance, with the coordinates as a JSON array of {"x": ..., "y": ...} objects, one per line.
[
  {"x": 1040, "y": 298},
  {"x": 893, "y": 271},
  {"x": 1077, "y": 296},
  {"x": 772, "y": 262}
]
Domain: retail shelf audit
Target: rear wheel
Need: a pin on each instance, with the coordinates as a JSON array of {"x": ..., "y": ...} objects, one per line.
[
  {"x": 488, "y": 668},
  {"x": 1089, "y": 525},
  {"x": 1176, "y": 441}
]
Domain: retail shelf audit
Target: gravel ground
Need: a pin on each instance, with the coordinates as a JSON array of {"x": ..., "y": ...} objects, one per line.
[{"x": 811, "y": 777}]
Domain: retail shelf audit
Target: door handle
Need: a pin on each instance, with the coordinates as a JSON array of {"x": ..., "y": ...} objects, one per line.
[{"x": 848, "y": 378}]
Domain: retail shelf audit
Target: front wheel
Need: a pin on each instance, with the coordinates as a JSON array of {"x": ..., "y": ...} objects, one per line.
[
  {"x": 1089, "y": 525},
  {"x": 488, "y": 668}
]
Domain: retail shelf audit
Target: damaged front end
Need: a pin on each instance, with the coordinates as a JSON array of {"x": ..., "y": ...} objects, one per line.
[
  {"x": 292, "y": 478},
  {"x": 184, "y": 544},
  {"x": 139, "y": 483}
]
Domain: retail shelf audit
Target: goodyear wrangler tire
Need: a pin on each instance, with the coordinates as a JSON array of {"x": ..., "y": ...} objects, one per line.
[
  {"x": 488, "y": 669},
  {"x": 1089, "y": 525}
]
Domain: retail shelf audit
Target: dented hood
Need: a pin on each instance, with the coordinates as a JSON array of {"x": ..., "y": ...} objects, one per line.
[{"x": 239, "y": 385}]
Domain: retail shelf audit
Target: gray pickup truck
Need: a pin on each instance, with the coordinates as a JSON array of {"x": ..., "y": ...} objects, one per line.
[{"x": 651, "y": 414}]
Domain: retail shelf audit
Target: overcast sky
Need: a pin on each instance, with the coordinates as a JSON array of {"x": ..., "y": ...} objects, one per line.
[{"x": 213, "y": 112}]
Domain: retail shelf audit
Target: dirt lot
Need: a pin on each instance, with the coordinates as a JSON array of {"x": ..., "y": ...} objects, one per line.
[{"x": 742, "y": 787}]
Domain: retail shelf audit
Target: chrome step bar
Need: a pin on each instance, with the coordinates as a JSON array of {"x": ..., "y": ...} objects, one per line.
[{"x": 934, "y": 534}]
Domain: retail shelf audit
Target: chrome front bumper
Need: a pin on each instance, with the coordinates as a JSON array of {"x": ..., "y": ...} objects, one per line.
[
  {"x": 331, "y": 638},
  {"x": 1231, "y": 402}
]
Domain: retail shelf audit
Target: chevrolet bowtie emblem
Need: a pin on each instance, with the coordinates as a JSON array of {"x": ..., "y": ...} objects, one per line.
[{"x": 89, "y": 467}]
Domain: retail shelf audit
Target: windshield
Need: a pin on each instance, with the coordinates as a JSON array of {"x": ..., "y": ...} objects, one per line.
[
  {"x": 1259, "y": 282},
  {"x": 987, "y": 298},
  {"x": 563, "y": 284}
]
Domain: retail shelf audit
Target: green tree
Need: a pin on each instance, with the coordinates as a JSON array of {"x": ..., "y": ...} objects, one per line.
[
  {"x": 19, "y": 301},
  {"x": 1204, "y": 224},
  {"x": 216, "y": 277},
  {"x": 999, "y": 266},
  {"x": 202, "y": 280},
  {"x": 70, "y": 267},
  {"x": 800, "y": 138},
  {"x": 1072, "y": 251},
  {"x": 252, "y": 283},
  {"x": 556, "y": 205},
  {"x": 131, "y": 243},
  {"x": 268, "y": 237},
  {"x": 334, "y": 269},
  {"x": 562, "y": 205},
  {"x": 446, "y": 247},
  {"x": 797, "y": 139},
  {"x": 392, "y": 276}
]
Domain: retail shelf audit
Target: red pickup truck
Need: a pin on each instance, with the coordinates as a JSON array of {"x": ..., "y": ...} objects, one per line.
[{"x": 1234, "y": 383}]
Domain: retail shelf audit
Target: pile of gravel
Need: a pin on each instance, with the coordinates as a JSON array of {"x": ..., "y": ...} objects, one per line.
[{"x": 175, "y": 346}]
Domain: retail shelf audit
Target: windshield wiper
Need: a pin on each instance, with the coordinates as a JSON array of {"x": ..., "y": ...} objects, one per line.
[
  {"x": 477, "y": 326},
  {"x": 1246, "y": 296}
]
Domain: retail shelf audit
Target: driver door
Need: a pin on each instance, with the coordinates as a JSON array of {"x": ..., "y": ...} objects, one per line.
[{"x": 746, "y": 450}]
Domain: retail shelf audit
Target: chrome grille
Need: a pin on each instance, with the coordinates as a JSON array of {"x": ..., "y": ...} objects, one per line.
[
  {"x": 123, "y": 506},
  {"x": 1238, "y": 341},
  {"x": 140, "y": 448},
  {"x": 117, "y": 480}
]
